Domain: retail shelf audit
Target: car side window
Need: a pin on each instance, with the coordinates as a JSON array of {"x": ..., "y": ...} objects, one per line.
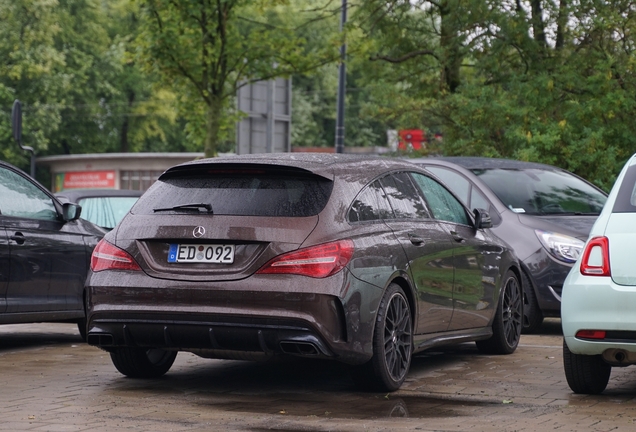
[
  {"x": 404, "y": 197},
  {"x": 442, "y": 203},
  {"x": 21, "y": 198},
  {"x": 456, "y": 182},
  {"x": 370, "y": 204},
  {"x": 469, "y": 194}
]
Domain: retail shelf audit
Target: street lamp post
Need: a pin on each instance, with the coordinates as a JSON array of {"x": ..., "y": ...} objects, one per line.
[
  {"x": 340, "y": 128},
  {"x": 16, "y": 126}
]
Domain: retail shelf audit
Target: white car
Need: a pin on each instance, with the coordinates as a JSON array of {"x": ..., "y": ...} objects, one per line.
[{"x": 598, "y": 309}]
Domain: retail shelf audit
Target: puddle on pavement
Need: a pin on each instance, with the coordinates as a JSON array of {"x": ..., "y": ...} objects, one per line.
[{"x": 353, "y": 407}]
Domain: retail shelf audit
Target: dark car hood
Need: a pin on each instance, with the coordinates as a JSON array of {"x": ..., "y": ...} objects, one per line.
[{"x": 575, "y": 226}]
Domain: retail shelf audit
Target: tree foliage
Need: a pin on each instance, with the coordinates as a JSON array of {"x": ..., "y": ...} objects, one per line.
[
  {"x": 542, "y": 80},
  {"x": 548, "y": 81},
  {"x": 71, "y": 64},
  {"x": 209, "y": 49}
]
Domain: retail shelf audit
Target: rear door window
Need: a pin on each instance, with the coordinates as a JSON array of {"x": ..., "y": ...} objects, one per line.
[
  {"x": 237, "y": 192},
  {"x": 404, "y": 197},
  {"x": 371, "y": 204}
]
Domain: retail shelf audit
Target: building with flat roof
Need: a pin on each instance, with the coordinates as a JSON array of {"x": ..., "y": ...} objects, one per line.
[{"x": 110, "y": 170}]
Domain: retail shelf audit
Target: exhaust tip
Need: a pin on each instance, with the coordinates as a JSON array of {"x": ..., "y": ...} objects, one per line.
[
  {"x": 100, "y": 339},
  {"x": 620, "y": 356},
  {"x": 303, "y": 349}
]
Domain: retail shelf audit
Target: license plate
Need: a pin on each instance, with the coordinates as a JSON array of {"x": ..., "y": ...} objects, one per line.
[{"x": 197, "y": 253}]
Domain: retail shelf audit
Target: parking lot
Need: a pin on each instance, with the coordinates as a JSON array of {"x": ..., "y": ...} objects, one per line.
[{"x": 51, "y": 381}]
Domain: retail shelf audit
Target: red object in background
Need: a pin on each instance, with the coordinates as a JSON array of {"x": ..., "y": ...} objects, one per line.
[
  {"x": 89, "y": 179},
  {"x": 411, "y": 139}
]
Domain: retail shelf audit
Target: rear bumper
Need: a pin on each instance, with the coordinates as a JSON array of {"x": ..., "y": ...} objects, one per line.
[
  {"x": 596, "y": 303},
  {"x": 233, "y": 319},
  {"x": 216, "y": 338}
]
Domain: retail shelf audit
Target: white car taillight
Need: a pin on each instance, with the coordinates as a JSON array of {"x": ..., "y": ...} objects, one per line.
[{"x": 596, "y": 261}]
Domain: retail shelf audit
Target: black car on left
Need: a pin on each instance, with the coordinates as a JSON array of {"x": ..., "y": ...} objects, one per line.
[{"x": 45, "y": 252}]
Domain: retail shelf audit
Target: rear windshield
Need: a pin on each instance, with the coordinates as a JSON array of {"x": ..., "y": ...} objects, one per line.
[
  {"x": 237, "y": 193},
  {"x": 543, "y": 192}
]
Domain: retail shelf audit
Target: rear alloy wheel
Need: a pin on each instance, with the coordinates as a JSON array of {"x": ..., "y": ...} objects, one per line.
[
  {"x": 143, "y": 363},
  {"x": 506, "y": 326},
  {"x": 532, "y": 315},
  {"x": 392, "y": 344},
  {"x": 586, "y": 374}
]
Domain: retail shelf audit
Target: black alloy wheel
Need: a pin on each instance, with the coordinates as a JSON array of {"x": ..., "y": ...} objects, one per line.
[
  {"x": 508, "y": 321},
  {"x": 392, "y": 345},
  {"x": 398, "y": 337}
]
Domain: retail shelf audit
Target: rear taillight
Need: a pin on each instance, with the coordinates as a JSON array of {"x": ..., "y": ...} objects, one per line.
[
  {"x": 108, "y": 257},
  {"x": 316, "y": 261},
  {"x": 591, "y": 334},
  {"x": 595, "y": 261}
]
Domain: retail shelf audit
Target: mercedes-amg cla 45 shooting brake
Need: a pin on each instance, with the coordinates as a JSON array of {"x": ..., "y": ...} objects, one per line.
[{"x": 363, "y": 260}]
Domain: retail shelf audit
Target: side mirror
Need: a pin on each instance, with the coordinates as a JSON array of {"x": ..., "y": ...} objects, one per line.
[
  {"x": 482, "y": 219},
  {"x": 71, "y": 211}
]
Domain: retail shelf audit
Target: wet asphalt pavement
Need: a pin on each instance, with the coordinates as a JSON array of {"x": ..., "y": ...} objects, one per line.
[{"x": 52, "y": 381}]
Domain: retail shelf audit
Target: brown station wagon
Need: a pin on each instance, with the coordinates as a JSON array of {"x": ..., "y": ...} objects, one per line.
[{"x": 363, "y": 260}]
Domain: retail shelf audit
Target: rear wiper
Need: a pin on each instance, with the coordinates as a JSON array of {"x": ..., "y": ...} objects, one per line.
[{"x": 196, "y": 206}]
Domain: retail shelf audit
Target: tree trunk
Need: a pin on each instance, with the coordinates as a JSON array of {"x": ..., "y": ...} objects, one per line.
[
  {"x": 538, "y": 25},
  {"x": 451, "y": 55},
  {"x": 213, "y": 127},
  {"x": 124, "y": 148},
  {"x": 562, "y": 22}
]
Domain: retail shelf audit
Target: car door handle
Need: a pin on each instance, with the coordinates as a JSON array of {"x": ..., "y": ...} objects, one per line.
[
  {"x": 415, "y": 239},
  {"x": 457, "y": 237},
  {"x": 18, "y": 238}
]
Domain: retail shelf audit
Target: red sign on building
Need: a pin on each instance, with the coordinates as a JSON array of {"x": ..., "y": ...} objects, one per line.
[
  {"x": 89, "y": 180},
  {"x": 411, "y": 139}
]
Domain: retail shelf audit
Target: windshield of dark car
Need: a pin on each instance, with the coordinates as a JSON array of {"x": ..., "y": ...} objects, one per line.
[
  {"x": 239, "y": 194},
  {"x": 543, "y": 192}
]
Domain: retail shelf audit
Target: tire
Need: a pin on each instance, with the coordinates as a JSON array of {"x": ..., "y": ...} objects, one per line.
[
  {"x": 81, "y": 326},
  {"x": 82, "y": 322},
  {"x": 586, "y": 374},
  {"x": 532, "y": 315},
  {"x": 392, "y": 345},
  {"x": 507, "y": 323},
  {"x": 142, "y": 363}
]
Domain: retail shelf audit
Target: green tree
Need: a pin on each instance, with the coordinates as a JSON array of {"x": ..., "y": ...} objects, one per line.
[
  {"x": 533, "y": 80},
  {"x": 208, "y": 49},
  {"x": 28, "y": 71},
  {"x": 315, "y": 92},
  {"x": 71, "y": 63},
  {"x": 145, "y": 113}
]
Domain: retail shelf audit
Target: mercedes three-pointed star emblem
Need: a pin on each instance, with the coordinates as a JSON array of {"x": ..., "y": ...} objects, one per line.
[{"x": 198, "y": 232}]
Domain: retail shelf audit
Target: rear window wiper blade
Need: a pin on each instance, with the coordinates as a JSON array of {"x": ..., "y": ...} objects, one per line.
[{"x": 194, "y": 206}]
